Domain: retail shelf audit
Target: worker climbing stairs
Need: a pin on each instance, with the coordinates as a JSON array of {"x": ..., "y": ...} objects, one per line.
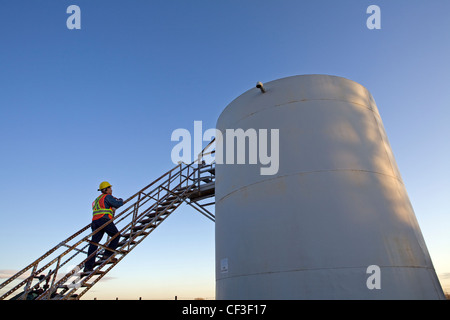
[{"x": 46, "y": 279}]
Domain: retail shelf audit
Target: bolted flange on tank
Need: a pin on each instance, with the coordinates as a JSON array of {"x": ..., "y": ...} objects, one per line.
[{"x": 334, "y": 220}]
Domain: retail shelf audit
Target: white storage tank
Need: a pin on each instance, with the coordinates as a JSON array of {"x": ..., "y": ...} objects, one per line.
[{"x": 332, "y": 208}]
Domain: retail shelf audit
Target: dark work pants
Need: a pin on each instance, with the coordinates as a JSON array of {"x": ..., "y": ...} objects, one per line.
[{"x": 110, "y": 230}]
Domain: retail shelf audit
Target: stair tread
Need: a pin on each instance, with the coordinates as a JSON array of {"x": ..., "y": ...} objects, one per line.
[
  {"x": 153, "y": 215},
  {"x": 145, "y": 221},
  {"x": 128, "y": 235}
]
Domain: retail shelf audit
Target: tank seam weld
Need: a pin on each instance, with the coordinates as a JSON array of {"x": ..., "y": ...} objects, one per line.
[
  {"x": 324, "y": 99},
  {"x": 309, "y": 172},
  {"x": 318, "y": 269},
  {"x": 304, "y": 100}
]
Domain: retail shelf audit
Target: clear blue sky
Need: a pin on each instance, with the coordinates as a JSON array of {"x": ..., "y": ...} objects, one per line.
[{"x": 81, "y": 106}]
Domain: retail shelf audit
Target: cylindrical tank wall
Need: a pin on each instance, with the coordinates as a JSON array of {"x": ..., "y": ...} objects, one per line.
[{"x": 336, "y": 205}]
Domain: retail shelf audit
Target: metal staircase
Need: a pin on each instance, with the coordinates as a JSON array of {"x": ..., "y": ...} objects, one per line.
[{"x": 45, "y": 279}]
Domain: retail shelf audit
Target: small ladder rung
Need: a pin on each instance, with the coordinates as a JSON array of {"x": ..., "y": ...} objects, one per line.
[
  {"x": 165, "y": 204},
  {"x": 160, "y": 208},
  {"x": 133, "y": 234},
  {"x": 145, "y": 221},
  {"x": 153, "y": 215},
  {"x": 67, "y": 287},
  {"x": 137, "y": 228},
  {"x": 123, "y": 243}
]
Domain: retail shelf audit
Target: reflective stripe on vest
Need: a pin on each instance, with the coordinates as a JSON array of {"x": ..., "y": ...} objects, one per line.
[{"x": 98, "y": 207}]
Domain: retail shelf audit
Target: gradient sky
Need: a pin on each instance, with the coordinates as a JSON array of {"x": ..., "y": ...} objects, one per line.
[{"x": 81, "y": 106}]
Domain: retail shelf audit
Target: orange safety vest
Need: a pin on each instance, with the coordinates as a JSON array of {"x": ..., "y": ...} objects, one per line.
[{"x": 99, "y": 210}]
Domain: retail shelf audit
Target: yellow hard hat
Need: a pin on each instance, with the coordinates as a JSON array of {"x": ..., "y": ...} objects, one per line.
[{"x": 104, "y": 185}]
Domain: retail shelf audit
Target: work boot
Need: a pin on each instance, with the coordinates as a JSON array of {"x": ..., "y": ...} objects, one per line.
[
  {"x": 86, "y": 272},
  {"x": 112, "y": 260},
  {"x": 88, "y": 269}
]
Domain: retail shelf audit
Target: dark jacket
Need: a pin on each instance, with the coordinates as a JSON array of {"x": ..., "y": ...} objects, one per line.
[{"x": 111, "y": 201}]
